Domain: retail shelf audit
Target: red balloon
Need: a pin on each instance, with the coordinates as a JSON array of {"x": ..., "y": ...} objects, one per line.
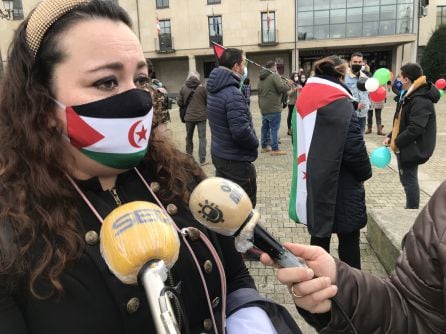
[
  {"x": 378, "y": 95},
  {"x": 440, "y": 83}
]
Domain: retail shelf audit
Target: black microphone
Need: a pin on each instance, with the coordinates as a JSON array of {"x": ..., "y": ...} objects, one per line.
[{"x": 224, "y": 207}]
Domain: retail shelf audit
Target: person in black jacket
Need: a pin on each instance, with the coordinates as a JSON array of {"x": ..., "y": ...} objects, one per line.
[
  {"x": 234, "y": 142},
  {"x": 78, "y": 139},
  {"x": 414, "y": 129},
  {"x": 332, "y": 162}
]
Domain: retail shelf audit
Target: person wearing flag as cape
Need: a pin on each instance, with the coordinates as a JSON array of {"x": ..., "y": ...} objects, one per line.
[
  {"x": 330, "y": 162},
  {"x": 78, "y": 139}
]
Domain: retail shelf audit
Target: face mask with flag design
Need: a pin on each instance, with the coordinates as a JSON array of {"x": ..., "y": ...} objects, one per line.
[{"x": 113, "y": 131}]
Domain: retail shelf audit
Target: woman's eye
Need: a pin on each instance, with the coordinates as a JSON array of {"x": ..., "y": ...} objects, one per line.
[
  {"x": 141, "y": 82},
  {"x": 106, "y": 84}
]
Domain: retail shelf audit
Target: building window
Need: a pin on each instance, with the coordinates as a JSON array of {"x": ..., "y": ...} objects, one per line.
[
  {"x": 215, "y": 30},
  {"x": 441, "y": 15},
  {"x": 321, "y": 19},
  {"x": 165, "y": 36},
  {"x": 268, "y": 27},
  {"x": 17, "y": 10},
  {"x": 213, "y": 2},
  {"x": 162, "y": 4}
]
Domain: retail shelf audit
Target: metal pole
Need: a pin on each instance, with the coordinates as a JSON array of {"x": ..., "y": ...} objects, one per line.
[{"x": 296, "y": 58}]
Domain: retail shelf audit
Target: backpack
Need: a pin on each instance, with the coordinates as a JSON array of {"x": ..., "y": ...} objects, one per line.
[{"x": 183, "y": 109}]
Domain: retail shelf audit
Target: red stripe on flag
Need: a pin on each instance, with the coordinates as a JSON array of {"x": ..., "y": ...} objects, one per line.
[
  {"x": 75, "y": 126},
  {"x": 218, "y": 50},
  {"x": 315, "y": 95}
]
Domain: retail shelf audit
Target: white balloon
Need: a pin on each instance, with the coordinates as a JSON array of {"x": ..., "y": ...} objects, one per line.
[{"x": 372, "y": 84}]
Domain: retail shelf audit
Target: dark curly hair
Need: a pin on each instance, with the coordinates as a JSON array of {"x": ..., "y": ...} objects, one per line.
[{"x": 40, "y": 231}]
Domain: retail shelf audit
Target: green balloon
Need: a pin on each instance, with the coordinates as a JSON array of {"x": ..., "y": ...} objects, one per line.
[
  {"x": 382, "y": 75},
  {"x": 441, "y": 92}
]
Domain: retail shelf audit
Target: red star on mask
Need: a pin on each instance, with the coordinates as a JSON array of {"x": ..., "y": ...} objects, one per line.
[{"x": 142, "y": 134}]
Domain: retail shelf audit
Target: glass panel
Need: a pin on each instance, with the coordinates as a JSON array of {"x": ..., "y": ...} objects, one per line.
[
  {"x": 368, "y": 3},
  {"x": 321, "y": 4},
  {"x": 322, "y": 32},
  {"x": 305, "y": 33},
  {"x": 162, "y": 4},
  {"x": 165, "y": 27},
  {"x": 370, "y": 28},
  {"x": 354, "y": 15},
  {"x": 322, "y": 17},
  {"x": 354, "y": 30},
  {"x": 371, "y": 13},
  {"x": 215, "y": 28},
  {"x": 268, "y": 28},
  {"x": 17, "y": 10},
  {"x": 403, "y": 27},
  {"x": 305, "y": 19},
  {"x": 337, "y": 4},
  {"x": 388, "y": 13},
  {"x": 304, "y": 5},
  {"x": 354, "y": 3},
  {"x": 337, "y": 31},
  {"x": 405, "y": 1},
  {"x": 405, "y": 12},
  {"x": 337, "y": 16},
  {"x": 388, "y": 2},
  {"x": 387, "y": 27}
]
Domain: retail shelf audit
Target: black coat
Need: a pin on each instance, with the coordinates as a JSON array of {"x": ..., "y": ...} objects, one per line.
[
  {"x": 350, "y": 212},
  {"x": 418, "y": 126},
  {"x": 233, "y": 134},
  {"x": 95, "y": 301}
]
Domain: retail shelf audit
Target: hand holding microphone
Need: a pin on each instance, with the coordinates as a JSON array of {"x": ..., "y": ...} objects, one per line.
[
  {"x": 224, "y": 207},
  {"x": 138, "y": 240}
]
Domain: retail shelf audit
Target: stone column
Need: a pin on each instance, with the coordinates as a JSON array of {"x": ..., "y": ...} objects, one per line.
[{"x": 192, "y": 63}]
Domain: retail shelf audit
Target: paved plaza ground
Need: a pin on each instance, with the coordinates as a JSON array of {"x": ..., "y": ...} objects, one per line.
[{"x": 383, "y": 190}]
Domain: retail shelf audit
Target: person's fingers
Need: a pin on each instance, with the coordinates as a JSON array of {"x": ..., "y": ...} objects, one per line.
[
  {"x": 304, "y": 251},
  {"x": 266, "y": 260},
  {"x": 305, "y": 288},
  {"x": 318, "y": 302},
  {"x": 289, "y": 276}
]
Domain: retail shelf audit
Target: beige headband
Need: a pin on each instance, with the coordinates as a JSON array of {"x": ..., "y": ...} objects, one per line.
[{"x": 44, "y": 16}]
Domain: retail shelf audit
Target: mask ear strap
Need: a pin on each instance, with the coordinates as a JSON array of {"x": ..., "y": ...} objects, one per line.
[{"x": 60, "y": 104}]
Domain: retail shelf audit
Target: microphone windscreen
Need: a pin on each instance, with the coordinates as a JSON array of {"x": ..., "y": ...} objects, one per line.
[
  {"x": 135, "y": 233},
  {"x": 220, "y": 205}
]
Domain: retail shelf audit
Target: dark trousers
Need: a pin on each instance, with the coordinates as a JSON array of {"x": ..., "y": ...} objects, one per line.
[
  {"x": 370, "y": 117},
  {"x": 290, "y": 114},
  {"x": 348, "y": 248},
  {"x": 190, "y": 128},
  {"x": 241, "y": 172},
  {"x": 409, "y": 180}
]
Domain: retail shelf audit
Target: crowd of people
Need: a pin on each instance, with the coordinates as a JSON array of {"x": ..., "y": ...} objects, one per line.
[{"x": 82, "y": 132}]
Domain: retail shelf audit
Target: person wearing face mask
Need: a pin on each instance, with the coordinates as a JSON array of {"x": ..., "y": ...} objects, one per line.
[
  {"x": 351, "y": 80},
  {"x": 414, "y": 128},
  {"x": 78, "y": 139}
]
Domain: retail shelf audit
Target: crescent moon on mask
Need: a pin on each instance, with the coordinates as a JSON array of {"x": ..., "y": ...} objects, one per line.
[{"x": 132, "y": 135}]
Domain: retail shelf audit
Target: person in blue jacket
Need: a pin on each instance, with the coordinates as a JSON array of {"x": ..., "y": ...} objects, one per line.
[{"x": 234, "y": 141}]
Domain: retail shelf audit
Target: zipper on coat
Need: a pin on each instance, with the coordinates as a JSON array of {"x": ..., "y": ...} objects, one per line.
[{"x": 114, "y": 193}]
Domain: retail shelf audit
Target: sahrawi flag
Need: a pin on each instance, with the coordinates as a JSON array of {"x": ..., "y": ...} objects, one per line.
[
  {"x": 107, "y": 135},
  {"x": 318, "y": 140}
]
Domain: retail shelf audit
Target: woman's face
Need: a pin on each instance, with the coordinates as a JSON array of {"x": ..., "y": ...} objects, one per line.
[{"x": 103, "y": 58}]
